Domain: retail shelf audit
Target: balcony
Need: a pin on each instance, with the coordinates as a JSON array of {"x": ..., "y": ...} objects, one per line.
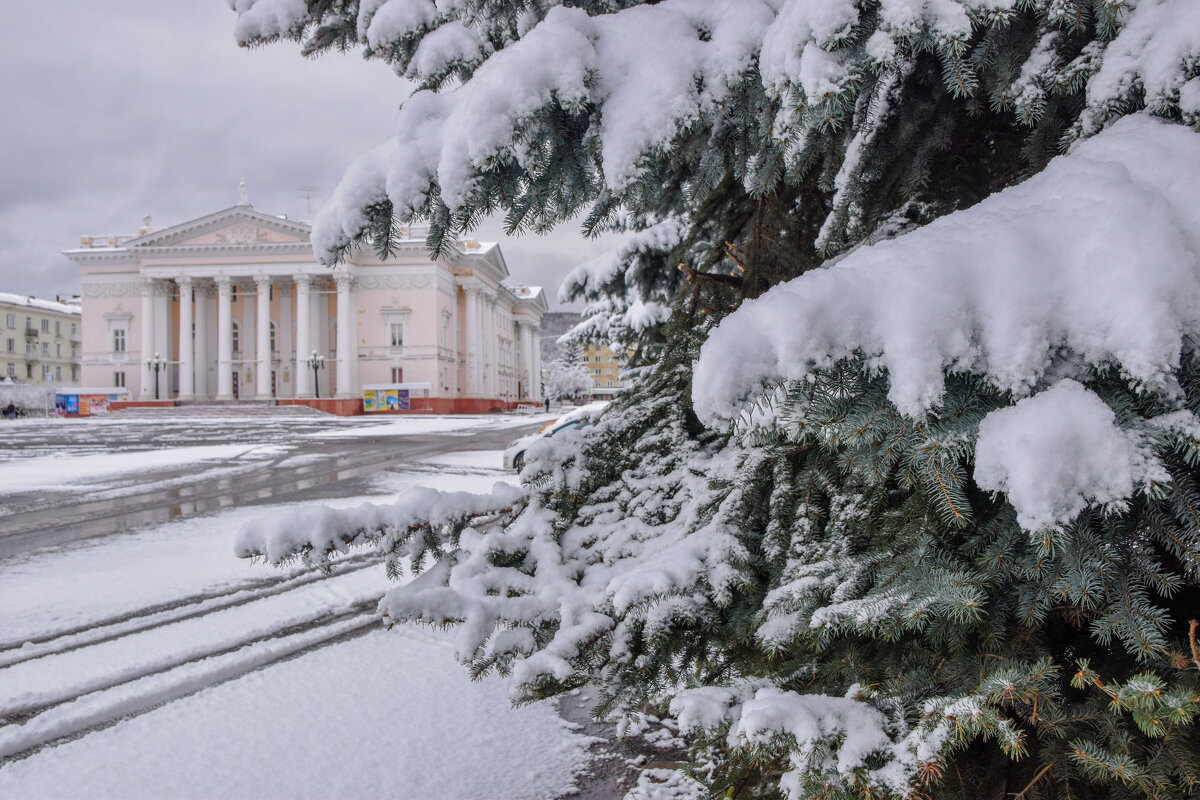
[{"x": 31, "y": 332}]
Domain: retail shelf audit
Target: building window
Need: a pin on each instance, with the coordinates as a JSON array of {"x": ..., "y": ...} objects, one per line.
[
  {"x": 58, "y": 349},
  {"x": 58, "y": 373},
  {"x": 233, "y": 295},
  {"x": 29, "y": 372},
  {"x": 272, "y": 347},
  {"x": 45, "y": 348},
  {"x": 397, "y": 334},
  {"x": 12, "y": 345},
  {"x": 72, "y": 328},
  {"x": 74, "y": 373},
  {"x": 119, "y": 379},
  {"x": 270, "y": 292},
  {"x": 57, "y": 326},
  {"x": 397, "y": 374},
  {"x": 12, "y": 370},
  {"x": 118, "y": 340},
  {"x": 12, "y": 320},
  {"x": 45, "y": 326},
  {"x": 237, "y": 339}
]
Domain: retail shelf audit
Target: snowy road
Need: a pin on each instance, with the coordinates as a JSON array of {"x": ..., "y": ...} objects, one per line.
[
  {"x": 66, "y": 480},
  {"x": 142, "y": 659}
]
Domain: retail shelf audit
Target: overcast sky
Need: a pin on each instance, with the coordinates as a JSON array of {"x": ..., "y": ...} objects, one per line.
[{"x": 115, "y": 109}]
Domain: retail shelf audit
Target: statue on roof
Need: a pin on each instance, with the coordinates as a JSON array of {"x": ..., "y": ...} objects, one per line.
[{"x": 243, "y": 193}]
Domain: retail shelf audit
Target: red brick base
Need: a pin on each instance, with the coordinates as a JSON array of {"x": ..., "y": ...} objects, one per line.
[
  {"x": 340, "y": 406},
  {"x": 118, "y": 405},
  {"x": 353, "y": 406}
]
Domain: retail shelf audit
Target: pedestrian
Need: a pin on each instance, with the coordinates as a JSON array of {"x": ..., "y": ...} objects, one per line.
[
  {"x": 547, "y": 404},
  {"x": 10, "y": 411}
]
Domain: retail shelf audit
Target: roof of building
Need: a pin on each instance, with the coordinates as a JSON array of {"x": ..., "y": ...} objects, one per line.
[{"x": 29, "y": 301}]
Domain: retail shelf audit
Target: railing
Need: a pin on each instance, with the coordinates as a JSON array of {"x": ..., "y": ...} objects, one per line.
[{"x": 31, "y": 332}]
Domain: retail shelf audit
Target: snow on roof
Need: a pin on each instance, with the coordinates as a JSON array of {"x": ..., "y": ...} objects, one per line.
[
  {"x": 30, "y": 301},
  {"x": 524, "y": 292}
]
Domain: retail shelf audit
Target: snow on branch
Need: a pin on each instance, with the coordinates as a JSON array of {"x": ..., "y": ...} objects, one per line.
[
  {"x": 315, "y": 534},
  {"x": 1158, "y": 39},
  {"x": 1098, "y": 257},
  {"x": 1058, "y": 451}
]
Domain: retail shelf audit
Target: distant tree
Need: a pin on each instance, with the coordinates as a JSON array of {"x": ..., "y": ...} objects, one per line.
[{"x": 567, "y": 378}]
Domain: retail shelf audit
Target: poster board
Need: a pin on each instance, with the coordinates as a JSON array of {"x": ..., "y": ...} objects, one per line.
[{"x": 382, "y": 398}]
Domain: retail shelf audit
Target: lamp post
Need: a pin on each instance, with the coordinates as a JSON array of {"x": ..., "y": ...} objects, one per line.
[
  {"x": 157, "y": 363},
  {"x": 317, "y": 363}
]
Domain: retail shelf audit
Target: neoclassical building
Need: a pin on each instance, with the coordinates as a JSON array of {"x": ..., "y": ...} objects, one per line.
[{"x": 234, "y": 305}]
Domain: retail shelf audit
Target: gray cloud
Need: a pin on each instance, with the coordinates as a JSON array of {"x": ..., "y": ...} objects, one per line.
[{"x": 124, "y": 108}]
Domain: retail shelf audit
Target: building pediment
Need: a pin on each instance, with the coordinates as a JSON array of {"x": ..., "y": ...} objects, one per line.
[{"x": 239, "y": 225}]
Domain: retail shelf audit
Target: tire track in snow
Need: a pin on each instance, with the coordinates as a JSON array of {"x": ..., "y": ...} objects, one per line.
[
  {"x": 156, "y": 616},
  {"x": 31, "y": 688},
  {"x": 96, "y": 711}
]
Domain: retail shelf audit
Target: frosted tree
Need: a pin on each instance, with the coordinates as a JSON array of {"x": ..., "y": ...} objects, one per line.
[
  {"x": 907, "y": 505},
  {"x": 566, "y": 377}
]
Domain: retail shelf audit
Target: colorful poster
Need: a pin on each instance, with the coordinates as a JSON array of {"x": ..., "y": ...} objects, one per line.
[
  {"x": 60, "y": 404},
  {"x": 391, "y": 399},
  {"x": 97, "y": 404},
  {"x": 402, "y": 400},
  {"x": 72, "y": 404},
  {"x": 369, "y": 404}
]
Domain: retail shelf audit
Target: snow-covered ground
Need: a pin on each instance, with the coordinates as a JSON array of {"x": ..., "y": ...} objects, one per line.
[{"x": 153, "y": 663}]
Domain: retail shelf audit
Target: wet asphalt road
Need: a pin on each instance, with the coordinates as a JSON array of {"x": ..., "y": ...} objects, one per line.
[{"x": 301, "y": 461}]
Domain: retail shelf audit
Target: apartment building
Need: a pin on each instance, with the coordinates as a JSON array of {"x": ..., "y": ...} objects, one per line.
[
  {"x": 604, "y": 368},
  {"x": 41, "y": 340}
]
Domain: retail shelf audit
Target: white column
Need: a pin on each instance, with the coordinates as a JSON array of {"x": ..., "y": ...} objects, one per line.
[
  {"x": 472, "y": 348},
  {"x": 493, "y": 340},
  {"x": 355, "y": 384},
  {"x": 201, "y": 346},
  {"x": 186, "y": 342},
  {"x": 521, "y": 331},
  {"x": 488, "y": 345},
  {"x": 345, "y": 335},
  {"x": 224, "y": 339},
  {"x": 483, "y": 348},
  {"x": 262, "y": 327},
  {"x": 536, "y": 390},
  {"x": 285, "y": 342},
  {"x": 320, "y": 335},
  {"x": 303, "y": 337},
  {"x": 162, "y": 331},
  {"x": 147, "y": 346}
]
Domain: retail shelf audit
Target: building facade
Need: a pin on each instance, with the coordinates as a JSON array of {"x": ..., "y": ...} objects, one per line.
[
  {"x": 41, "y": 340},
  {"x": 605, "y": 370},
  {"x": 234, "y": 306}
]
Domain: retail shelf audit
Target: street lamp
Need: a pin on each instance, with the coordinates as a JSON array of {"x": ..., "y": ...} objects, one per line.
[
  {"x": 157, "y": 363},
  {"x": 317, "y": 363}
]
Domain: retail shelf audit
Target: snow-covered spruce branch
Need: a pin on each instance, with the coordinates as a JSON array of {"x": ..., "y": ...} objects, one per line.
[
  {"x": 421, "y": 520},
  {"x": 655, "y": 70}
]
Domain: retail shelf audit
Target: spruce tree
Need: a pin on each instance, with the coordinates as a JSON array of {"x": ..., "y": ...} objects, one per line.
[{"x": 819, "y": 583}]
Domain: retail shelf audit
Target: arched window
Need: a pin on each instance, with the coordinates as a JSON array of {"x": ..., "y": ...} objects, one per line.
[{"x": 237, "y": 339}]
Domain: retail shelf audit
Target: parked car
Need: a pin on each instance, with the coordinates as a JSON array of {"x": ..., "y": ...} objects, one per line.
[{"x": 582, "y": 417}]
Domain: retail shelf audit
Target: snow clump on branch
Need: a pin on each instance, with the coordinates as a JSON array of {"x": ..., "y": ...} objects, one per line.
[{"x": 1098, "y": 255}]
